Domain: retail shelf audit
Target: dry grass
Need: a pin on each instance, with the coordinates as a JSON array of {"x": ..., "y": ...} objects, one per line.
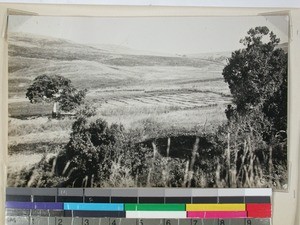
[
  {"x": 52, "y": 137},
  {"x": 17, "y": 162},
  {"x": 18, "y": 127}
]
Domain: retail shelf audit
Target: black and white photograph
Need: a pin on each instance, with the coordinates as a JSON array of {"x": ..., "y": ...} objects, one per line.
[{"x": 148, "y": 101}]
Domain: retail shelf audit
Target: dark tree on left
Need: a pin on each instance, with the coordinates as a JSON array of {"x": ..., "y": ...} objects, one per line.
[{"x": 56, "y": 89}]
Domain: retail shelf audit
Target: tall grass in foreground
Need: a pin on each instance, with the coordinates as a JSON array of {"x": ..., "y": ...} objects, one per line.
[{"x": 240, "y": 153}]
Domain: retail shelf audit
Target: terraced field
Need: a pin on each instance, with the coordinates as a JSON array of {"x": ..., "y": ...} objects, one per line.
[
  {"x": 163, "y": 102},
  {"x": 159, "y": 94}
]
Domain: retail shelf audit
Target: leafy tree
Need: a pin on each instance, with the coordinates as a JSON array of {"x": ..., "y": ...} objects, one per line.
[
  {"x": 257, "y": 76},
  {"x": 256, "y": 131},
  {"x": 56, "y": 89}
]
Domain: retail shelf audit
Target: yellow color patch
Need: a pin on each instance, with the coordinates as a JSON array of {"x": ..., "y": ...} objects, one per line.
[{"x": 215, "y": 207}]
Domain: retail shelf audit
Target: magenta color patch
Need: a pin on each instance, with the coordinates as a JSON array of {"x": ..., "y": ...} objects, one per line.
[{"x": 217, "y": 214}]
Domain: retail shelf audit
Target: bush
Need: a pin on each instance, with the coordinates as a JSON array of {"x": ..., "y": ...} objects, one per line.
[{"x": 248, "y": 156}]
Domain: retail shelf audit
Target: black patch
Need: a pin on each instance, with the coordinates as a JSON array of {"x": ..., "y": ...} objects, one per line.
[
  {"x": 178, "y": 200},
  {"x": 231, "y": 199},
  {"x": 44, "y": 198},
  {"x": 205, "y": 199},
  {"x": 69, "y": 199},
  {"x": 18, "y": 198},
  {"x": 151, "y": 200},
  {"x": 257, "y": 199},
  {"x": 96, "y": 199},
  {"x": 83, "y": 213},
  {"x": 123, "y": 199}
]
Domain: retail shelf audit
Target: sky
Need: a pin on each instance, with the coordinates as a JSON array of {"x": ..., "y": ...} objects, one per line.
[{"x": 171, "y": 35}]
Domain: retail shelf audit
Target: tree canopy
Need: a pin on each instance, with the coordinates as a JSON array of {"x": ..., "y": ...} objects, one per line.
[
  {"x": 57, "y": 89},
  {"x": 257, "y": 76}
]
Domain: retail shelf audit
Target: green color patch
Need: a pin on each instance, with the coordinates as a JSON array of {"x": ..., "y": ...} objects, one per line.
[{"x": 154, "y": 207}]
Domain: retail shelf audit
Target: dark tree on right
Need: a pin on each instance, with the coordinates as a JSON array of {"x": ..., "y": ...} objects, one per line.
[
  {"x": 256, "y": 151},
  {"x": 257, "y": 77}
]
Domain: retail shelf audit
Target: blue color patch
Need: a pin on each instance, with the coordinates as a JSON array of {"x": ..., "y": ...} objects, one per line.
[
  {"x": 94, "y": 206},
  {"x": 34, "y": 205}
]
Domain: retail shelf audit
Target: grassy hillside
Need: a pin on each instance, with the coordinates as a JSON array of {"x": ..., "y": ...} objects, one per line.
[
  {"x": 90, "y": 67},
  {"x": 158, "y": 93}
]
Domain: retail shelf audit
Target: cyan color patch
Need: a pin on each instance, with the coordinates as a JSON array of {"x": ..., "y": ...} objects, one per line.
[{"x": 94, "y": 206}]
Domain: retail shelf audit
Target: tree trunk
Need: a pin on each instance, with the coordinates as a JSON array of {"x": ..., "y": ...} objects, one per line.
[
  {"x": 228, "y": 160},
  {"x": 152, "y": 166},
  {"x": 54, "y": 110},
  {"x": 168, "y": 146},
  {"x": 193, "y": 159},
  {"x": 270, "y": 162}
]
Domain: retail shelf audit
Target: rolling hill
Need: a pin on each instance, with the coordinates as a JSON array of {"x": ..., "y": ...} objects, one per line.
[{"x": 93, "y": 67}]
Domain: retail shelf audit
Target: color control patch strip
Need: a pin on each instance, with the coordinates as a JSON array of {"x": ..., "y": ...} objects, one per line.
[
  {"x": 144, "y": 203},
  {"x": 150, "y": 210}
]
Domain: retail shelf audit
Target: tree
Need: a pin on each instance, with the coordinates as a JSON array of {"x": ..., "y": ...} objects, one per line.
[
  {"x": 257, "y": 77},
  {"x": 257, "y": 125},
  {"x": 56, "y": 89}
]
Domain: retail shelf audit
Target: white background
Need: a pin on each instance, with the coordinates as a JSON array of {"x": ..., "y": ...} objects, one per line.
[
  {"x": 210, "y": 3},
  {"x": 286, "y": 205}
]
